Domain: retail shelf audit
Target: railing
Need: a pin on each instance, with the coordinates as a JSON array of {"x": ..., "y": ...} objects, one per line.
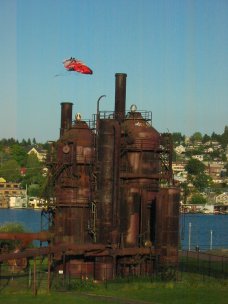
[{"x": 203, "y": 263}]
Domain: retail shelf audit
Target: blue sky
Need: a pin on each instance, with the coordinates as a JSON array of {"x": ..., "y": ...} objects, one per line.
[{"x": 175, "y": 53}]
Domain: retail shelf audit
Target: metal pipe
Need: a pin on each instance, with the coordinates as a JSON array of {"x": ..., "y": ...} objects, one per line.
[
  {"x": 34, "y": 277},
  {"x": 120, "y": 96},
  {"x": 98, "y": 104},
  {"x": 66, "y": 116}
]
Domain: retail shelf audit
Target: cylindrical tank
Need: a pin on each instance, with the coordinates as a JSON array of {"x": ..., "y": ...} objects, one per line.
[
  {"x": 72, "y": 173},
  {"x": 140, "y": 168},
  {"x": 167, "y": 224}
]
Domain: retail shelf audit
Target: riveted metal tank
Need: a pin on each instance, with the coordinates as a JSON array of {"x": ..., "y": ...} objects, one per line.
[
  {"x": 140, "y": 169},
  {"x": 72, "y": 175},
  {"x": 167, "y": 224}
]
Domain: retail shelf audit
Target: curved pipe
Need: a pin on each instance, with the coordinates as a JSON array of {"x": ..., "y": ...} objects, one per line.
[{"x": 98, "y": 105}]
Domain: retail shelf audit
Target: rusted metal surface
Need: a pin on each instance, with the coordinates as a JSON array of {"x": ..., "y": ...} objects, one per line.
[
  {"x": 67, "y": 248},
  {"x": 108, "y": 180},
  {"x": 167, "y": 228},
  {"x": 120, "y": 96},
  {"x": 66, "y": 116},
  {"x": 26, "y": 238},
  {"x": 140, "y": 168},
  {"x": 22, "y": 240},
  {"x": 115, "y": 210},
  {"x": 72, "y": 175}
]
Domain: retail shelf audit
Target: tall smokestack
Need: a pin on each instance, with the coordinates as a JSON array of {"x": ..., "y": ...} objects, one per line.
[
  {"x": 66, "y": 116},
  {"x": 120, "y": 95}
]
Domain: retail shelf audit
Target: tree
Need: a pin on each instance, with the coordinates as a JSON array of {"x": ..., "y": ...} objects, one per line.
[
  {"x": 224, "y": 138},
  {"x": 33, "y": 178},
  {"x": 178, "y": 137},
  {"x": 185, "y": 191},
  {"x": 24, "y": 142},
  {"x": 197, "y": 136},
  {"x": 206, "y": 138},
  {"x": 198, "y": 199},
  {"x": 11, "y": 227},
  {"x": 194, "y": 167},
  {"x": 226, "y": 167},
  {"x": 33, "y": 169},
  {"x": 215, "y": 136},
  {"x": 19, "y": 154},
  {"x": 10, "y": 171},
  {"x": 202, "y": 181}
]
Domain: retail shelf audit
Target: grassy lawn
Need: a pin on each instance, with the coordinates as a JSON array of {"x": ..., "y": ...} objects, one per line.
[
  {"x": 173, "y": 293},
  {"x": 58, "y": 298},
  {"x": 190, "y": 290}
]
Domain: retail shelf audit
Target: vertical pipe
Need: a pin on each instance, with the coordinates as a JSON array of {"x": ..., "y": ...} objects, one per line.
[
  {"x": 120, "y": 96},
  {"x": 66, "y": 117},
  {"x": 34, "y": 277},
  {"x": 64, "y": 270},
  {"x": 211, "y": 237},
  {"x": 189, "y": 235},
  {"x": 49, "y": 272}
]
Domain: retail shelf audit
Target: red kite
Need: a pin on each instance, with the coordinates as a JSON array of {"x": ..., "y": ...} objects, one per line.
[{"x": 76, "y": 65}]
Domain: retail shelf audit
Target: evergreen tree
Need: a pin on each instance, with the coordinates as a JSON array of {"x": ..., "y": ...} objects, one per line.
[
  {"x": 198, "y": 199},
  {"x": 224, "y": 138},
  {"x": 10, "y": 171},
  {"x": 19, "y": 154},
  {"x": 206, "y": 138},
  {"x": 197, "y": 136},
  {"x": 194, "y": 167}
]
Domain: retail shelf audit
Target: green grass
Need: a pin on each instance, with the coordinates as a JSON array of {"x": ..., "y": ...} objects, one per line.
[
  {"x": 189, "y": 290},
  {"x": 69, "y": 298}
]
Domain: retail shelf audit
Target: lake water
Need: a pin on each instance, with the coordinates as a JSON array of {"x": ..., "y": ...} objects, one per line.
[{"x": 205, "y": 231}]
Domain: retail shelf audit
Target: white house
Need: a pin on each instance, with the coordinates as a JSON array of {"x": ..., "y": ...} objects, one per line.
[
  {"x": 41, "y": 154},
  {"x": 222, "y": 198},
  {"x": 199, "y": 157},
  {"x": 180, "y": 149}
]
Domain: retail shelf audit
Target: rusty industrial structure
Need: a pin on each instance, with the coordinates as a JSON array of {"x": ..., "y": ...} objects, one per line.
[{"x": 114, "y": 208}]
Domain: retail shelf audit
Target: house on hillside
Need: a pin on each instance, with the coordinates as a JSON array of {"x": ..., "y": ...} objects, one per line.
[
  {"x": 198, "y": 157},
  {"x": 214, "y": 169},
  {"x": 180, "y": 149},
  {"x": 222, "y": 198},
  {"x": 40, "y": 153},
  {"x": 12, "y": 195},
  {"x": 179, "y": 172}
]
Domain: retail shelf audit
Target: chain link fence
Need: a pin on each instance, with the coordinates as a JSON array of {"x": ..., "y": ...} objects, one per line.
[
  {"x": 39, "y": 278},
  {"x": 204, "y": 263}
]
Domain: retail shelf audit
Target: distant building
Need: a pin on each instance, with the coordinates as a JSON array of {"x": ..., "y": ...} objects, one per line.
[
  {"x": 180, "y": 149},
  {"x": 18, "y": 202},
  {"x": 214, "y": 169},
  {"x": 178, "y": 167},
  {"x": 199, "y": 157},
  {"x": 11, "y": 194},
  {"x": 40, "y": 153},
  {"x": 35, "y": 202},
  {"x": 222, "y": 198},
  {"x": 180, "y": 175}
]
